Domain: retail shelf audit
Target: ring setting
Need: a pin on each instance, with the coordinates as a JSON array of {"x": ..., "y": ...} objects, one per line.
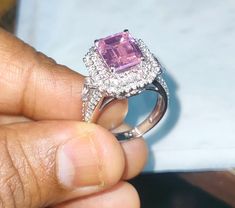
[{"x": 119, "y": 66}]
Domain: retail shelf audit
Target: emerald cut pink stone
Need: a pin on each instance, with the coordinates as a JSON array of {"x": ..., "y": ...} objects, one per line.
[{"x": 119, "y": 51}]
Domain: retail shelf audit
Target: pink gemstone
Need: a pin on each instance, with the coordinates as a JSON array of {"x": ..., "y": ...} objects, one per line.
[{"x": 119, "y": 51}]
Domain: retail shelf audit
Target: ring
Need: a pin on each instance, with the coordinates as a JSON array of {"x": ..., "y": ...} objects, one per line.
[{"x": 119, "y": 67}]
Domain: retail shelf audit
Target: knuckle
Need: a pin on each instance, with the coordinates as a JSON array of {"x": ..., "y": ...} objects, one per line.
[{"x": 42, "y": 58}]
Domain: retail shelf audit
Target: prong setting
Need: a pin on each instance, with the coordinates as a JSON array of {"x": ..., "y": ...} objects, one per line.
[
  {"x": 123, "y": 84},
  {"x": 125, "y": 75}
]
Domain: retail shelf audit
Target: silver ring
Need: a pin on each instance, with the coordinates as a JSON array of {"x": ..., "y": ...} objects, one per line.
[{"x": 119, "y": 67}]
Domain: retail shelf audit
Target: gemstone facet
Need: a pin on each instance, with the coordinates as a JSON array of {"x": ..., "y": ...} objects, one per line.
[{"x": 119, "y": 51}]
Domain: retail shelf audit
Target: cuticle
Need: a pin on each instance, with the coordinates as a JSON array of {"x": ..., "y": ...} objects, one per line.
[{"x": 97, "y": 157}]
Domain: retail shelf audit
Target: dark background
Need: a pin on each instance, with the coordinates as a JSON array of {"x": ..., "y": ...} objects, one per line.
[{"x": 168, "y": 190}]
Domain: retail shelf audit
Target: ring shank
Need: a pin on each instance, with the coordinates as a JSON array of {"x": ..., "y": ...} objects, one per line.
[{"x": 154, "y": 117}]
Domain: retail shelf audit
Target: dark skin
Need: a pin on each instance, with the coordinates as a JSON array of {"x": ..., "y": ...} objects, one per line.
[{"x": 48, "y": 156}]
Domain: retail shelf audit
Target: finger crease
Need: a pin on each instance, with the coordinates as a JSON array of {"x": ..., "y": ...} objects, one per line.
[
  {"x": 17, "y": 174},
  {"x": 33, "y": 174},
  {"x": 24, "y": 102}
]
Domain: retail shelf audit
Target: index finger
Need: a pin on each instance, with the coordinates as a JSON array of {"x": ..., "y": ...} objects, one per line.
[{"x": 35, "y": 86}]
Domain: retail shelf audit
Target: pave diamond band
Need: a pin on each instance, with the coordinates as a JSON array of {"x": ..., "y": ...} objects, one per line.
[
  {"x": 94, "y": 103},
  {"x": 120, "y": 66}
]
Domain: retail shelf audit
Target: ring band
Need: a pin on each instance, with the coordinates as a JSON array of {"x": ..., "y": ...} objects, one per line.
[
  {"x": 154, "y": 117},
  {"x": 119, "y": 67}
]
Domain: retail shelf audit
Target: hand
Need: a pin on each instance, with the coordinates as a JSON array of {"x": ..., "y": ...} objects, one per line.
[{"x": 47, "y": 156}]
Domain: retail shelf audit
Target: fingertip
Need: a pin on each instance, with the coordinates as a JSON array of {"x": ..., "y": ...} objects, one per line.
[
  {"x": 112, "y": 156},
  {"x": 136, "y": 154},
  {"x": 93, "y": 157},
  {"x": 122, "y": 195}
]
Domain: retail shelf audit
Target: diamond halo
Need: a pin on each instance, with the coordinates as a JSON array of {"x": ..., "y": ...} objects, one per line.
[{"x": 125, "y": 83}]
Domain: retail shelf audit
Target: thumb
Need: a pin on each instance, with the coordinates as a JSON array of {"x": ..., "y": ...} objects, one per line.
[{"x": 43, "y": 163}]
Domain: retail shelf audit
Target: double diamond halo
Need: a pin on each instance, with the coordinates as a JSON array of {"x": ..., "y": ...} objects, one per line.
[{"x": 119, "y": 66}]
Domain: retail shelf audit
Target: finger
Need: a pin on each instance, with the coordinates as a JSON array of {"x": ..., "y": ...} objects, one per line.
[
  {"x": 136, "y": 154},
  {"x": 45, "y": 162},
  {"x": 122, "y": 195},
  {"x": 113, "y": 115},
  {"x": 35, "y": 86},
  {"x": 10, "y": 119}
]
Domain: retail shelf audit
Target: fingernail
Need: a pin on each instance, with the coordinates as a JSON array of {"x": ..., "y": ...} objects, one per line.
[{"x": 79, "y": 164}]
